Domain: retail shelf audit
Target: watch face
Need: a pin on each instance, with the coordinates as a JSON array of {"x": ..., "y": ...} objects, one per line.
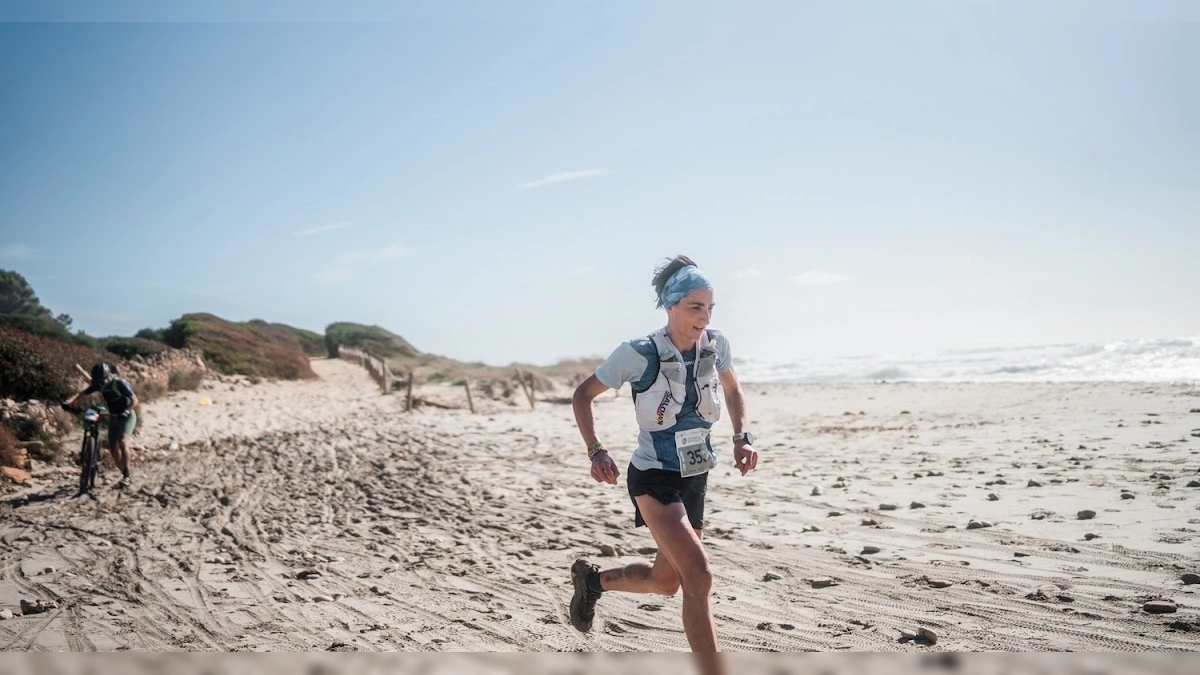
[{"x": 749, "y": 438}]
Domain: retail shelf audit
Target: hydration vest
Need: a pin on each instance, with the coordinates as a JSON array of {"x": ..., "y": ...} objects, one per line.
[
  {"x": 113, "y": 397},
  {"x": 658, "y": 406}
]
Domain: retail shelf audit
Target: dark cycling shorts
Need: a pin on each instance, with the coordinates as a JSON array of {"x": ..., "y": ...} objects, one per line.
[
  {"x": 668, "y": 487},
  {"x": 120, "y": 427}
]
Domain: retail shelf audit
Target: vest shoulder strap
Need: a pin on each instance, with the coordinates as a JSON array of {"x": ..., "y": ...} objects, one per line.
[{"x": 657, "y": 363}]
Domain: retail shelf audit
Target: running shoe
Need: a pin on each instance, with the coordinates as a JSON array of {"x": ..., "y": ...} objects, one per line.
[{"x": 583, "y": 602}]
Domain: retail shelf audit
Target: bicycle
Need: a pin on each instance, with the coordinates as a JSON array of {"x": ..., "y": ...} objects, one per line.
[{"x": 89, "y": 454}]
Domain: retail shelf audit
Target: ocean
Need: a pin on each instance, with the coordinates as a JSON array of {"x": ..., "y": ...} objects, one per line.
[{"x": 1145, "y": 360}]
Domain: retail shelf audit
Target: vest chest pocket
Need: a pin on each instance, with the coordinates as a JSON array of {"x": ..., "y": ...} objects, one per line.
[
  {"x": 709, "y": 403},
  {"x": 657, "y": 407}
]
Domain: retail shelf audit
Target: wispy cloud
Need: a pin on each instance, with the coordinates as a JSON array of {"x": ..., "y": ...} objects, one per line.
[
  {"x": 819, "y": 278},
  {"x": 14, "y": 251},
  {"x": 563, "y": 177},
  {"x": 358, "y": 257},
  {"x": 747, "y": 274},
  {"x": 332, "y": 276},
  {"x": 321, "y": 229},
  {"x": 346, "y": 263}
]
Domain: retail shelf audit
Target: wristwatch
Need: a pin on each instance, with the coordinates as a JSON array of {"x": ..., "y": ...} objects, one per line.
[{"x": 746, "y": 436}]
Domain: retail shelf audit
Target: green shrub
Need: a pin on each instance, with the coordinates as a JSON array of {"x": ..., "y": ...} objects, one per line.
[
  {"x": 240, "y": 349},
  {"x": 40, "y": 367},
  {"x": 156, "y": 334},
  {"x": 38, "y": 324},
  {"x": 373, "y": 339},
  {"x": 309, "y": 342},
  {"x": 127, "y": 348}
]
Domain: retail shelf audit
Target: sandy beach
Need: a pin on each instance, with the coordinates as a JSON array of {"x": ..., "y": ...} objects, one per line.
[{"x": 320, "y": 516}]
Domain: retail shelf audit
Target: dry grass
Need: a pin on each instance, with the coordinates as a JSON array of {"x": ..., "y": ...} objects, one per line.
[
  {"x": 9, "y": 449},
  {"x": 241, "y": 349},
  {"x": 185, "y": 380}
]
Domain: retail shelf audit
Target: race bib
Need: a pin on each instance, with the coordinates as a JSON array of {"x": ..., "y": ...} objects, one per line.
[{"x": 695, "y": 457}]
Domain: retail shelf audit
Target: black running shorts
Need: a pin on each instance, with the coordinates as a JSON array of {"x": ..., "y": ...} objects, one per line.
[{"x": 668, "y": 487}]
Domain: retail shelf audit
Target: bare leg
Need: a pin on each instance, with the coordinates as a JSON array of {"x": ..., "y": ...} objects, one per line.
[
  {"x": 709, "y": 664},
  {"x": 680, "y": 548},
  {"x": 120, "y": 454},
  {"x": 644, "y": 577}
]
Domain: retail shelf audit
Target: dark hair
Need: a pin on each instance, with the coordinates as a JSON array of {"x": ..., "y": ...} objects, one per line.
[{"x": 664, "y": 272}]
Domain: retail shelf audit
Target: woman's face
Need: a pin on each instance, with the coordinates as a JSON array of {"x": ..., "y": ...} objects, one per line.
[{"x": 690, "y": 316}]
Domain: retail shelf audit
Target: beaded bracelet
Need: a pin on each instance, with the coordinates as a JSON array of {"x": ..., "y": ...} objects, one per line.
[{"x": 595, "y": 448}]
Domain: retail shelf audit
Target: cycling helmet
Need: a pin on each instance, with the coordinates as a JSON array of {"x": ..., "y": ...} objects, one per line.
[{"x": 100, "y": 373}]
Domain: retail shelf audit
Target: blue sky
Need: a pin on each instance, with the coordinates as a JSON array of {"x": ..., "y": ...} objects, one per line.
[{"x": 500, "y": 189}]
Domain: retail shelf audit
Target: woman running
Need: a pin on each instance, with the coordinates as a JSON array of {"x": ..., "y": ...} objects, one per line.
[{"x": 674, "y": 373}]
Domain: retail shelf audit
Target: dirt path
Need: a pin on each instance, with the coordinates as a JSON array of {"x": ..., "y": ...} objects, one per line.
[{"x": 440, "y": 530}]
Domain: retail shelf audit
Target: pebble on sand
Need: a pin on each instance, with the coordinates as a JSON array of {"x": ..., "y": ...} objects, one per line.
[
  {"x": 37, "y": 606},
  {"x": 916, "y": 505},
  {"x": 1090, "y": 536},
  {"x": 1128, "y": 495},
  {"x": 1033, "y": 483},
  {"x": 1160, "y": 607},
  {"x": 771, "y": 576},
  {"x": 868, "y": 550},
  {"x": 978, "y": 524},
  {"x": 823, "y": 582},
  {"x": 5, "y": 614},
  {"x": 1193, "y": 483},
  {"x": 1190, "y": 578},
  {"x": 1086, "y": 514},
  {"x": 928, "y": 635},
  {"x": 887, "y": 507},
  {"x": 308, "y": 574},
  {"x": 940, "y": 583},
  {"x": 322, "y": 598},
  {"x": 817, "y": 492},
  {"x": 609, "y": 551},
  {"x": 993, "y": 497}
]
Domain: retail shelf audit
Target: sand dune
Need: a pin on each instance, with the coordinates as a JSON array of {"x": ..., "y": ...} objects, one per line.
[{"x": 318, "y": 515}]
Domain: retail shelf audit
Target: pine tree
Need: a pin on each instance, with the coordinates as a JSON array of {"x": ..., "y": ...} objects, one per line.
[{"x": 17, "y": 296}]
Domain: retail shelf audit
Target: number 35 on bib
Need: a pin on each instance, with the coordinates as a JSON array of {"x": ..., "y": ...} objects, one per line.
[{"x": 695, "y": 454}]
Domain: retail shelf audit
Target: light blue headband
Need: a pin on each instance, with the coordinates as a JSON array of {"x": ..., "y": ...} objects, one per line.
[{"x": 685, "y": 280}]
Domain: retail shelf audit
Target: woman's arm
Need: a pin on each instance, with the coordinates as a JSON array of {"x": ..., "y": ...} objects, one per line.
[
  {"x": 745, "y": 457},
  {"x": 604, "y": 469}
]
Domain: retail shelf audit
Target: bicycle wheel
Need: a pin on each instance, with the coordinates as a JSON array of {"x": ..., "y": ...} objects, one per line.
[{"x": 87, "y": 470}]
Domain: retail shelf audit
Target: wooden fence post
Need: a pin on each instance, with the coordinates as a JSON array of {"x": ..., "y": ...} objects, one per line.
[
  {"x": 470, "y": 403},
  {"x": 408, "y": 403},
  {"x": 524, "y": 388}
]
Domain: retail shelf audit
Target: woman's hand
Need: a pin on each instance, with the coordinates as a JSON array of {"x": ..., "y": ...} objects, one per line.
[
  {"x": 745, "y": 457},
  {"x": 604, "y": 469}
]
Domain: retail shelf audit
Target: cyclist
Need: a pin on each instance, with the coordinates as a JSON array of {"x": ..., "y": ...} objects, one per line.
[
  {"x": 120, "y": 400},
  {"x": 674, "y": 374}
]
